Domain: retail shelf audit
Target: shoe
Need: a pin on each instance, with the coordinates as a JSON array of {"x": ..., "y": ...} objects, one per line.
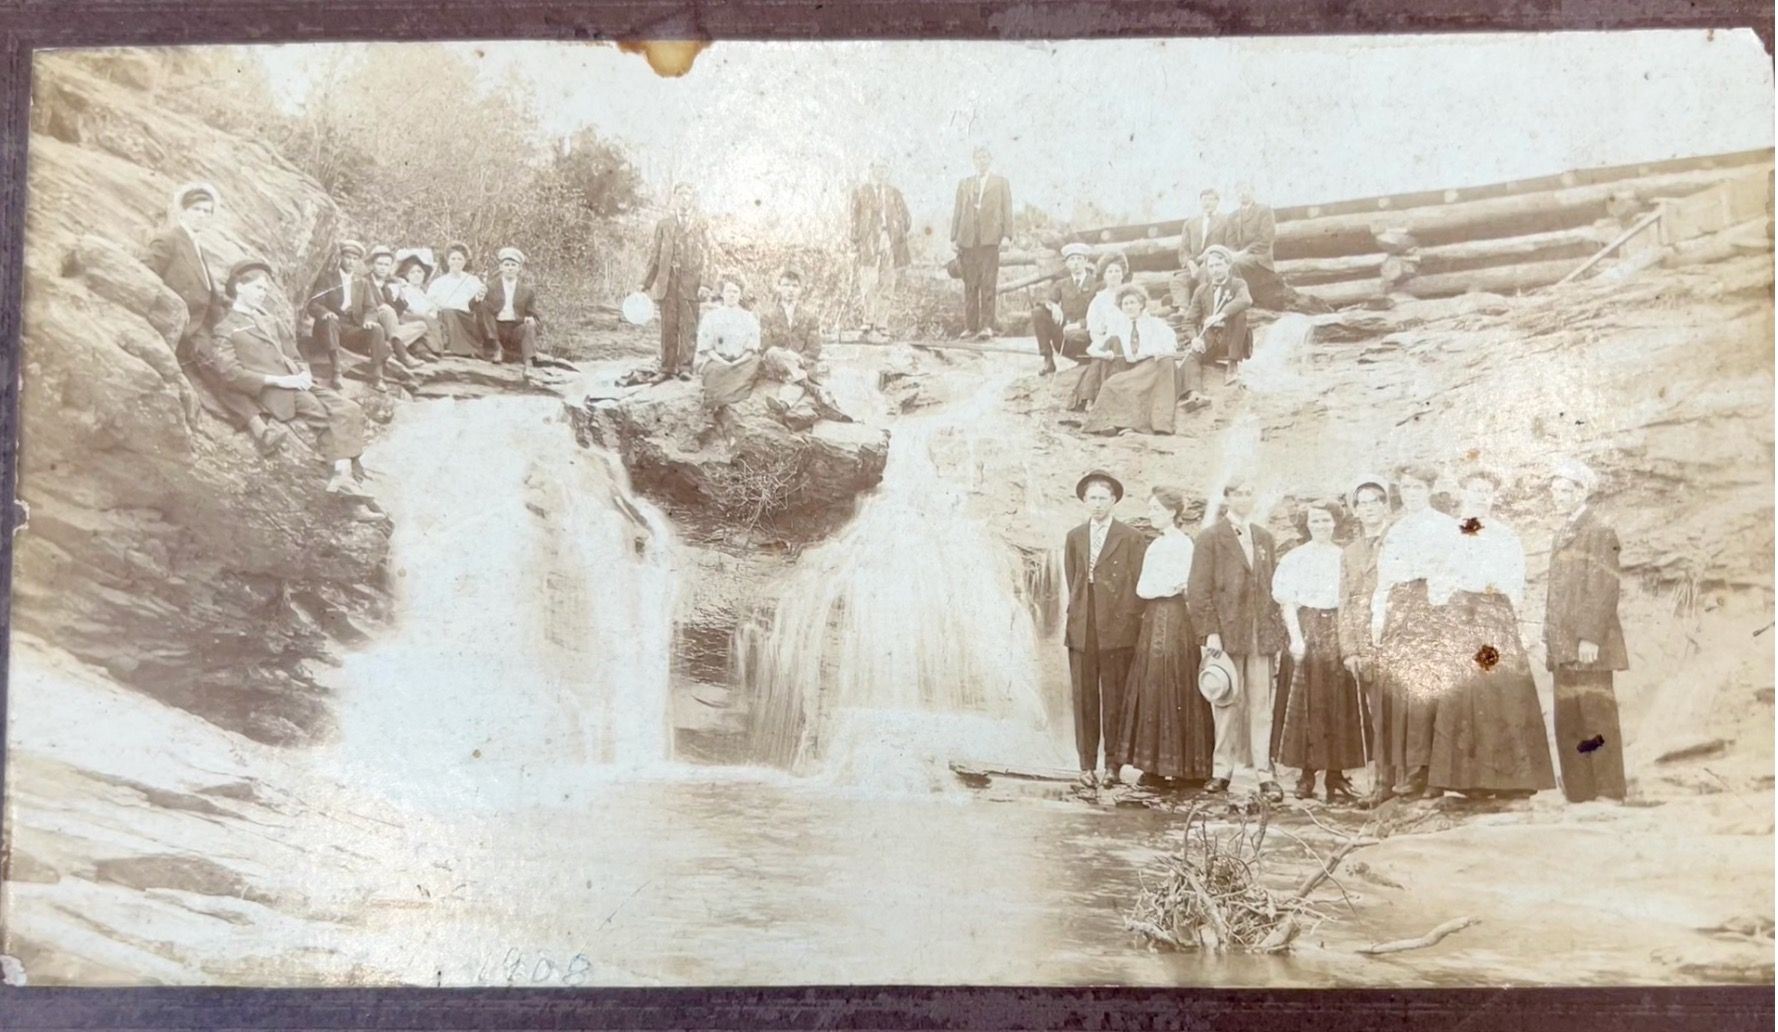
[
  {"x": 1049, "y": 366},
  {"x": 341, "y": 484},
  {"x": 985, "y": 335},
  {"x": 1270, "y": 792},
  {"x": 1194, "y": 402},
  {"x": 1305, "y": 785},
  {"x": 1216, "y": 786},
  {"x": 1087, "y": 779},
  {"x": 683, "y": 375},
  {"x": 270, "y": 438},
  {"x": 334, "y": 383},
  {"x": 379, "y": 386},
  {"x": 1415, "y": 788},
  {"x": 966, "y": 334},
  {"x": 1339, "y": 790},
  {"x": 1379, "y": 795}
]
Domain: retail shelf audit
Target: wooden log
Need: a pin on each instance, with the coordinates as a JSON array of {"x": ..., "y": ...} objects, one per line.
[
  {"x": 1300, "y": 271},
  {"x": 1347, "y": 292},
  {"x": 1469, "y": 254},
  {"x": 1396, "y": 241},
  {"x": 1751, "y": 237},
  {"x": 1499, "y": 279},
  {"x": 1034, "y": 279},
  {"x": 1420, "y": 942},
  {"x": 1398, "y": 267}
]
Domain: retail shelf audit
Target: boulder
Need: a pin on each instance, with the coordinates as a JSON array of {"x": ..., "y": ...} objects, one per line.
[
  {"x": 742, "y": 466},
  {"x": 162, "y": 547}
]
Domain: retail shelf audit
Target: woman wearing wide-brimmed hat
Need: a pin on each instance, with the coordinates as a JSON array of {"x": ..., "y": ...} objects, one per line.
[
  {"x": 457, "y": 293},
  {"x": 1323, "y": 715},
  {"x": 1102, "y": 315},
  {"x": 1142, "y": 387},
  {"x": 413, "y": 267},
  {"x": 1168, "y": 731}
]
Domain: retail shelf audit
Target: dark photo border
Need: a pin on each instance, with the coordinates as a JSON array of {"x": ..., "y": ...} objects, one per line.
[{"x": 27, "y": 25}]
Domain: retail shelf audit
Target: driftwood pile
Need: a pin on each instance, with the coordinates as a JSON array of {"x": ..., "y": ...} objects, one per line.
[{"x": 1504, "y": 238}]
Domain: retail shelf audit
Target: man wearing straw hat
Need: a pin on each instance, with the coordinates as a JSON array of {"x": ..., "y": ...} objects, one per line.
[
  {"x": 510, "y": 311},
  {"x": 343, "y": 304},
  {"x": 1369, "y": 501},
  {"x": 1060, "y": 322},
  {"x": 1583, "y": 640},
  {"x": 675, "y": 280},
  {"x": 1102, "y": 559}
]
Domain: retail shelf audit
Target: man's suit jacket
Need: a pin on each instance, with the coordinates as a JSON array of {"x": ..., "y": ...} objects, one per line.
[
  {"x": 1117, "y": 609},
  {"x": 524, "y": 303},
  {"x": 243, "y": 352},
  {"x": 985, "y": 224},
  {"x": 1232, "y": 339},
  {"x": 175, "y": 258},
  {"x": 1583, "y": 596},
  {"x": 1228, "y": 597},
  {"x": 872, "y": 213},
  {"x": 1193, "y": 239},
  {"x": 803, "y": 335},
  {"x": 1251, "y": 230},
  {"x": 676, "y": 261},
  {"x": 1073, "y": 298},
  {"x": 327, "y": 294}
]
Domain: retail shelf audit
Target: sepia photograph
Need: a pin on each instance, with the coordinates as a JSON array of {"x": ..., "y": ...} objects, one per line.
[{"x": 1286, "y": 512}]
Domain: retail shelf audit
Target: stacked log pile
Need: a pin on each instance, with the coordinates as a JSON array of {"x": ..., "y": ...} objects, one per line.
[{"x": 1502, "y": 238}]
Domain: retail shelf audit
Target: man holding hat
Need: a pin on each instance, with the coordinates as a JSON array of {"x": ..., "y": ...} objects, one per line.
[
  {"x": 511, "y": 312},
  {"x": 255, "y": 361},
  {"x": 1369, "y": 501},
  {"x": 675, "y": 280},
  {"x": 1230, "y": 595},
  {"x": 343, "y": 303},
  {"x": 1583, "y": 640},
  {"x": 1061, "y": 321},
  {"x": 1102, "y": 560}
]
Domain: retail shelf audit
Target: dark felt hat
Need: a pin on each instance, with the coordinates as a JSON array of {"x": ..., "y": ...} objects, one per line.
[
  {"x": 242, "y": 268},
  {"x": 1117, "y": 487}
]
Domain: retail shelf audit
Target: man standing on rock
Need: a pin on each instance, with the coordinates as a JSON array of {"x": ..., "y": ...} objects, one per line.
[
  {"x": 675, "y": 280},
  {"x": 1230, "y": 598},
  {"x": 257, "y": 362},
  {"x": 1200, "y": 233},
  {"x": 344, "y": 303},
  {"x": 880, "y": 224},
  {"x": 1102, "y": 559},
  {"x": 980, "y": 220},
  {"x": 1583, "y": 641}
]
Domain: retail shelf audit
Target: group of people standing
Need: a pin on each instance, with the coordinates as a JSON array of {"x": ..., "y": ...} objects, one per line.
[{"x": 1388, "y": 638}]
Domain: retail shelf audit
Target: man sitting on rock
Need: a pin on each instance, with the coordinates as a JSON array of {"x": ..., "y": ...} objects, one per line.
[
  {"x": 1215, "y": 322},
  {"x": 344, "y": 303},
  {"x": 389, "y": 306},
  {"x": 1060, "y": 322},
  {"x": 255, "y": 361},
  {"x": 791, "y": 336},
  {"x": 510, "y": 312}
]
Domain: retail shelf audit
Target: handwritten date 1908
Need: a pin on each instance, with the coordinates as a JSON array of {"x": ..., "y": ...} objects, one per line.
[{"x": 537, "y": 968}]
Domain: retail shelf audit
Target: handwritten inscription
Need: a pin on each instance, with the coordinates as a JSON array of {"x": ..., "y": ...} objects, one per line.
[{"x": 538, "y": 967}]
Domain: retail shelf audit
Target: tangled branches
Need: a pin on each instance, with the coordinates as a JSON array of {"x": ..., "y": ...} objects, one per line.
[
  {"x": 1211, "y": 895},
  {"x": 751, "y": 490}
]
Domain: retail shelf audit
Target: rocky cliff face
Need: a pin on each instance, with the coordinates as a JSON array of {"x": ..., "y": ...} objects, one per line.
[{"x": 161, "y": 547}]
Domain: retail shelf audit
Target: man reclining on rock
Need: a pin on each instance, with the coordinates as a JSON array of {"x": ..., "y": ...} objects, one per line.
[
  {"x": 792, "y": 339},
  {"x": 254, "y": 359}
]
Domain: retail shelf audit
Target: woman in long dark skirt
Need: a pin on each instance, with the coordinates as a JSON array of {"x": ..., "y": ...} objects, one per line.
[
  {"x": 1168, "y": 731},
  {"x": 1103, "y": 359},
  {"x": 1415, "y": 632},
  {"x": 1488, "y": 736},
  {"x": 1323, "y": 722}
]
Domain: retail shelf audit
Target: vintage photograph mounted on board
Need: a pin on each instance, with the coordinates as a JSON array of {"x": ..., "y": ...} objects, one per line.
[{"x": 1290, "y": 512}]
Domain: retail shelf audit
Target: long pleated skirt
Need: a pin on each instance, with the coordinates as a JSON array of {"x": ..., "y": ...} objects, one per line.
[
  {"x": 1488, "y": 734},
  {"x": 1417, "y": 665},
  {"x": 1139, "y": 397},
  {"x": 1324, "y": 718},
  {"x": 1168, "y": 730}
]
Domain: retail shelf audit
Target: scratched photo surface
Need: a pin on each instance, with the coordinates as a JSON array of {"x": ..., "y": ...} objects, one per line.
[{"x": 1289, "y": 512}]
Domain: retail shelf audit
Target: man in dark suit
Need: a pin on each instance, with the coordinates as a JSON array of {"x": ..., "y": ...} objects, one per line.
[
  {"x": 1215, "y": 322},
  {"x": 1060, "y": 322},
  {"x": 880, "y": 224},
  {"x": 1583, "y": 641},
  {"x": 343, "y": 303},
  {"x": 1102, "y": 560},
  {"x": 256, "y": 362},
  {"x": 1252, "y": 230},
  {"x": 675, "y": 280},
  {"x": 980, "y": 220},
  {"x": 510, "y": 317},
  {"x": 1230, "y": 598},
  {"x": 1199, "y": 233},
  {"x": 176, "y": 257}
]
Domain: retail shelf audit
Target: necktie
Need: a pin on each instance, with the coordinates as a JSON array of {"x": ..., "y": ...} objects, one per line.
[
  {"x": 1134, "y": 335},
  {"x": 981, "y": 190},
  {"x": 1097, "y": 538}
]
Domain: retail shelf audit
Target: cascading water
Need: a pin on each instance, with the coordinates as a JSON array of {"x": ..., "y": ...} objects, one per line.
[
  {"x": 534, "y": 620},
  {"x": 906, "y": 642}
]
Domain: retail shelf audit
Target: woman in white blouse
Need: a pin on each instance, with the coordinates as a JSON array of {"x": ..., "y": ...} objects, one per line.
[
  {"x": 1102, "y": 313},
  {"x": 455, "y": 294},
  {"x": 1488, "y": 734},
  {"x": 1323, "y": 717},
  {"x": 1168, "y": 731},
  {"x": 1412, "y": 625},
  {"x": 727, "y": 359},
  {"x": 1140, "y": 395}
]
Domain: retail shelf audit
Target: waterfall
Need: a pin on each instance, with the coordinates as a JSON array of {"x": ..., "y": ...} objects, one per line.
[
  {"x": 906, "y": 642},
  {"x": 533, "y": 625}
]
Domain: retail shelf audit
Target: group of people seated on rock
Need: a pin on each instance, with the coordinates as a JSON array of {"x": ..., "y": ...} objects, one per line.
[
  {"x": 1388, "y": 636},
  {"x": 1137, "y": 372},
  {"x": 246, "y": 366}
]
